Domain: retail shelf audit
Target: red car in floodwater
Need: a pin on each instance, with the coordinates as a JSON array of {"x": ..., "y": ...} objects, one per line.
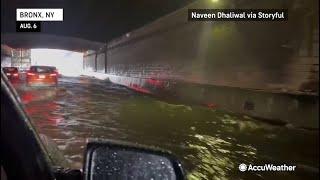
[
  {"x": 12, "y": 73},
  {"x": 42, "y": 76}
]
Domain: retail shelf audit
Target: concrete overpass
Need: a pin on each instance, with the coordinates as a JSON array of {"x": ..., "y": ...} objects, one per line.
[{"x": 50, "y": 41}]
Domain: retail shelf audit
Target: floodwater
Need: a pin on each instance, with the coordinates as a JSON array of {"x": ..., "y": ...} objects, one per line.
[{"x": 210, "y": 143}]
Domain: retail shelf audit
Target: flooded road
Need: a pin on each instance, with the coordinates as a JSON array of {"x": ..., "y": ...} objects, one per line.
[{"x": 210, "y": 143}]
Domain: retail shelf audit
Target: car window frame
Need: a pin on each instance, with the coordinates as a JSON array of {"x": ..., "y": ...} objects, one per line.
[{"x": 16, "y": 131}]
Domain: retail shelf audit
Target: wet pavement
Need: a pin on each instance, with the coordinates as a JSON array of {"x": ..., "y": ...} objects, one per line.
[{"x": 210, "y": 143}]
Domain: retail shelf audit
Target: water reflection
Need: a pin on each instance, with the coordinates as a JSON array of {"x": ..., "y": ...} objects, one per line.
[
  {"x": 210, "y": 143},
  {"x": 39, "y": 104},
  {"x": 217, "y": 158}
]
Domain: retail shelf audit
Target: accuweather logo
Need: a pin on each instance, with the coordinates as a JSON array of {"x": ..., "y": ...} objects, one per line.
[{"x": 266, "y": 167}]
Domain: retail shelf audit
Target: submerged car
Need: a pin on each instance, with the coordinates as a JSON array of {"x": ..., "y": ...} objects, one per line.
[
  {"x": 12, "y": 73},
  {"x": 42, "y": 76}
]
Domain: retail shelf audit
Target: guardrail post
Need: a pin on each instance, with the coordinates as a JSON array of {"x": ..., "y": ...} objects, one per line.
[
  {"x": 95, "y": 62},
  {"x": 106, "y": 60}
]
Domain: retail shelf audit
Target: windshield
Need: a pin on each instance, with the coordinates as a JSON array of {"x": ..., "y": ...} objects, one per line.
[
  {"x": 229, "y": 87},
  {"x": 42, "y": 69}
]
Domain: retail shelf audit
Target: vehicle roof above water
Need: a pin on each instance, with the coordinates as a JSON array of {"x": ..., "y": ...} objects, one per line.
[
  {"x": 10, "y": 69},
  {"x": 43, "y": 67}
]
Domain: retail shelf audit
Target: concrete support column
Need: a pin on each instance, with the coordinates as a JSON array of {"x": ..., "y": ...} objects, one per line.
[
  {"x": 95, "y": 62},
  {"x": 106, "y": 61}
]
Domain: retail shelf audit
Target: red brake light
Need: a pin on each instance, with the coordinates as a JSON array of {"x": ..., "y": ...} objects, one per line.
[
  {"x": 30, "y": 74},
  {"x": 15, "y": 74},
  {"x": 54, "y": 74}
]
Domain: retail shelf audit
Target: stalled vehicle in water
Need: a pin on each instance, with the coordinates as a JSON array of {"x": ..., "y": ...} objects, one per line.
[
  {"x": 42, "y": 76},
  {"x": 12, "y": 73}
]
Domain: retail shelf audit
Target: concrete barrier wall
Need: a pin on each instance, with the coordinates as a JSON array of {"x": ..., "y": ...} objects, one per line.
[
  {"x": 6, "y": 53},
  {"x": 101, "y": 62},
  {"x": 299, "y": 110},
  {"x": 5, "y": 61},
  {"x": 254, "y": 55},
  {"x": 223, "y": 64},
  {"x": 89, "y": 61}
]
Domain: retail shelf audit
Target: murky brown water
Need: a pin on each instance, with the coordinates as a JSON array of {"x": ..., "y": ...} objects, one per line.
[{"x": 210, "y": 143}]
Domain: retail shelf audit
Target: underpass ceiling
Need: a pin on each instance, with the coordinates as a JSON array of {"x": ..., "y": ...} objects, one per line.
[{"x": 93, "y": 21}]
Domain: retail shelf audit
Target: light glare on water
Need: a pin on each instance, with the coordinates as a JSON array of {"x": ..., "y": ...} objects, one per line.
[{"x": 210, "y": 143}]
